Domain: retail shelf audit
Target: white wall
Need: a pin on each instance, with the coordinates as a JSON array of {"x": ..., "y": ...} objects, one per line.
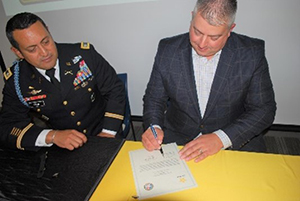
[{"x": 127, "y": 36}]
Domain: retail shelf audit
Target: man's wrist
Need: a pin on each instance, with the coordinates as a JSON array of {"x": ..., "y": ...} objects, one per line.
[
  {"x": 224, "y": 139},
  {"x": 53, "y": 136},
  {"x": 50, "y": 137}
]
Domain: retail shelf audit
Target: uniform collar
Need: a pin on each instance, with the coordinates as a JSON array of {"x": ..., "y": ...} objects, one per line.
[{"x": 56, "y": 67}]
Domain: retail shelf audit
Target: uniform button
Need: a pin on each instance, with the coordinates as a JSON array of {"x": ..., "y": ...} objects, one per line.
[
  {"x": 84, "y": 131},
  {"x": 73, "y": 113},
  {"x": 89, "y": 89},
  {"x": 202, "y": 126},
  {"x": 78, "y": 123},
  {"x": 38, "y": 110},
  {"x": 65, "y": 102}
]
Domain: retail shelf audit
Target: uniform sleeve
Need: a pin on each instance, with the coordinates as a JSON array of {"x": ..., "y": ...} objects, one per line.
[
  {"x": 112, "y": 89},
  {"x": 16, "y": 129}
]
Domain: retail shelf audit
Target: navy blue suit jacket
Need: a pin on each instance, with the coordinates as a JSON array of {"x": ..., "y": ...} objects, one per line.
[{"x": 241, "y": 101}]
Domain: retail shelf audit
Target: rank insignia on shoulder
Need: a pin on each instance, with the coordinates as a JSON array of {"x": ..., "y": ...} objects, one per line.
[
  {"x": 7, "y": 74},
  {"x": 85, "y": 45}
]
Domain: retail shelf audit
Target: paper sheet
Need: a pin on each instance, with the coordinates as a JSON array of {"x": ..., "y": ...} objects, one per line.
[{"x": 155, "y": 174}]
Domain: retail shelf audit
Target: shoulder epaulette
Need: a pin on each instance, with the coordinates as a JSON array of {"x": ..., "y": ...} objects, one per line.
[
  {"x": 7, "y": 74},
  {"x": 85, "y": 45}
]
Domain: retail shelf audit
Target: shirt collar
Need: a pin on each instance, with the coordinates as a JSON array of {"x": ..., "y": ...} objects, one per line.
[
  {"x": 43, "y": 72},
  {"x": 194, "y": 54}
]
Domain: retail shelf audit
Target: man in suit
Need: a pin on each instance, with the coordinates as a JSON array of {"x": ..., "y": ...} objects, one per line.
[
  {"x": 83, "y": 96},
  {"x": 210, "y": 89}
]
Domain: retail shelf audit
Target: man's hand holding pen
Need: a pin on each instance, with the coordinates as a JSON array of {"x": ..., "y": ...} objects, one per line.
[{"x": 150, "y": 142}]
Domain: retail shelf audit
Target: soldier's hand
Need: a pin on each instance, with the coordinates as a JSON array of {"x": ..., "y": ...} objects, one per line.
[{"x": 69, "y": 139}]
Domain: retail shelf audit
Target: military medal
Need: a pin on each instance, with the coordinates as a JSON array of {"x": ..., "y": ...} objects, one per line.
[
  {"x": 32, "y": 98},
  {"x": 35, "y": 101},
  {"x": 83, "y": 74}
]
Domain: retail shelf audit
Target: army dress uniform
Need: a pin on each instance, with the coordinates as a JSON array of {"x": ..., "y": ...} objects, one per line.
[{"x": 91, "y": 97}]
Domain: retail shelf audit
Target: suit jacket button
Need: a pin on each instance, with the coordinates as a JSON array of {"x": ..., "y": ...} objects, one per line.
[
  {"x": 73, "y": 113},
  {"x": 84, "y": 131},
  {"x": 78, "y": 123},
  {"x": 65, "y": 103}
]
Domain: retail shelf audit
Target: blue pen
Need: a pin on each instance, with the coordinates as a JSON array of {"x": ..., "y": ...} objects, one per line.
[{"x": 155, "y": 136}]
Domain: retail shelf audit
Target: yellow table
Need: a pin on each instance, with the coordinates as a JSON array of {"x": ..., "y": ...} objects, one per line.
[{"x": 228, "y": 175}]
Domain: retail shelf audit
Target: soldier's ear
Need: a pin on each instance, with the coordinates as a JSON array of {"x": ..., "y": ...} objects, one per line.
[{"x": 17, "y": 52}]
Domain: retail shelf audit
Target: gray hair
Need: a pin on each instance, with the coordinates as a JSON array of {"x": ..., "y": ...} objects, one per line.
[{"x": 217, "y": 12}]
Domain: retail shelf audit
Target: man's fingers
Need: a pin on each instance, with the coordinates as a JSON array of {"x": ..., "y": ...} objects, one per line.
[
  {"x": 189, "y": 151},
  {"x": 70, "y": 139},
  {"x": 149, "y": 141},
  {"x": 201, "y": 157}
]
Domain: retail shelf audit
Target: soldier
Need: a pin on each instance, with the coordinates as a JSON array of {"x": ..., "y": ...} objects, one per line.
[{"x": 70, "y": 86}]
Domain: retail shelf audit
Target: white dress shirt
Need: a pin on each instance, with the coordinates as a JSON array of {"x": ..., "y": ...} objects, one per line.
[{"x": 204, "y": 71}]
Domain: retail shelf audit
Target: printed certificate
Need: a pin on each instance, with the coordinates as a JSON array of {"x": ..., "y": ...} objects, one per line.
[{"x": 156, "y": 174}]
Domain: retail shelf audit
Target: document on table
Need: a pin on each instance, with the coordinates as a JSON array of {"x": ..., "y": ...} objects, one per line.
[{"x": 156, "y": 174}]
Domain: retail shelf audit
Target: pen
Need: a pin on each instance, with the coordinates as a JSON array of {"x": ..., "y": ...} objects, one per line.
[{"x": 155, "y": 135}]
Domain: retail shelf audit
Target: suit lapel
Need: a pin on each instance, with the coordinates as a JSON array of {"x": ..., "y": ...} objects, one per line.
[
  {"x": 221, "y": 75},
  {"x": 188, "y": 73}
]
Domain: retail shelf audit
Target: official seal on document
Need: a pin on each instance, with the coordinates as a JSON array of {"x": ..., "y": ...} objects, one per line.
[{"x": 148, "y": 186}]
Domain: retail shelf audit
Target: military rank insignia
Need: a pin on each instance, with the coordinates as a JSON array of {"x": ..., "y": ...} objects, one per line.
[
  {"x": 85, "y": 45},
  {"x": 7, "y": 74},
  {"x": 83, "y": 74}
]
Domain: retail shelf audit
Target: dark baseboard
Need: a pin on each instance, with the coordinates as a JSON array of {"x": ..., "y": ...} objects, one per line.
[
  {"x": 137, "y": 118},
  {"x": 285, "y": 127},
  {"x": 274, "y": 127}
]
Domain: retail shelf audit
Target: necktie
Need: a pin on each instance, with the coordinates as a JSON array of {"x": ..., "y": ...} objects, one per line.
[{"x": 54, "y": 81}]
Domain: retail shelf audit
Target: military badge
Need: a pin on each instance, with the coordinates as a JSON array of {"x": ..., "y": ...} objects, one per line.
[
  {"x": 36, "y": 104},
  {"x": 35, "y": 101},
  {"x": 76, "y": 59},
  {"x": 68, "y": 72},
  {"x": 34, "y": 91},
  {"x": 85, "y": 45},
  {"x": 83, "y": 74},
  {"x": 84, "y": 84},
  {"x": 7, "y": 74},
  {"x": 33, "y": 98}
]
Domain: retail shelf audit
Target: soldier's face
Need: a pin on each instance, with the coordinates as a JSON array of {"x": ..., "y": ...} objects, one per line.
[{"x": 36, "y": 46}]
